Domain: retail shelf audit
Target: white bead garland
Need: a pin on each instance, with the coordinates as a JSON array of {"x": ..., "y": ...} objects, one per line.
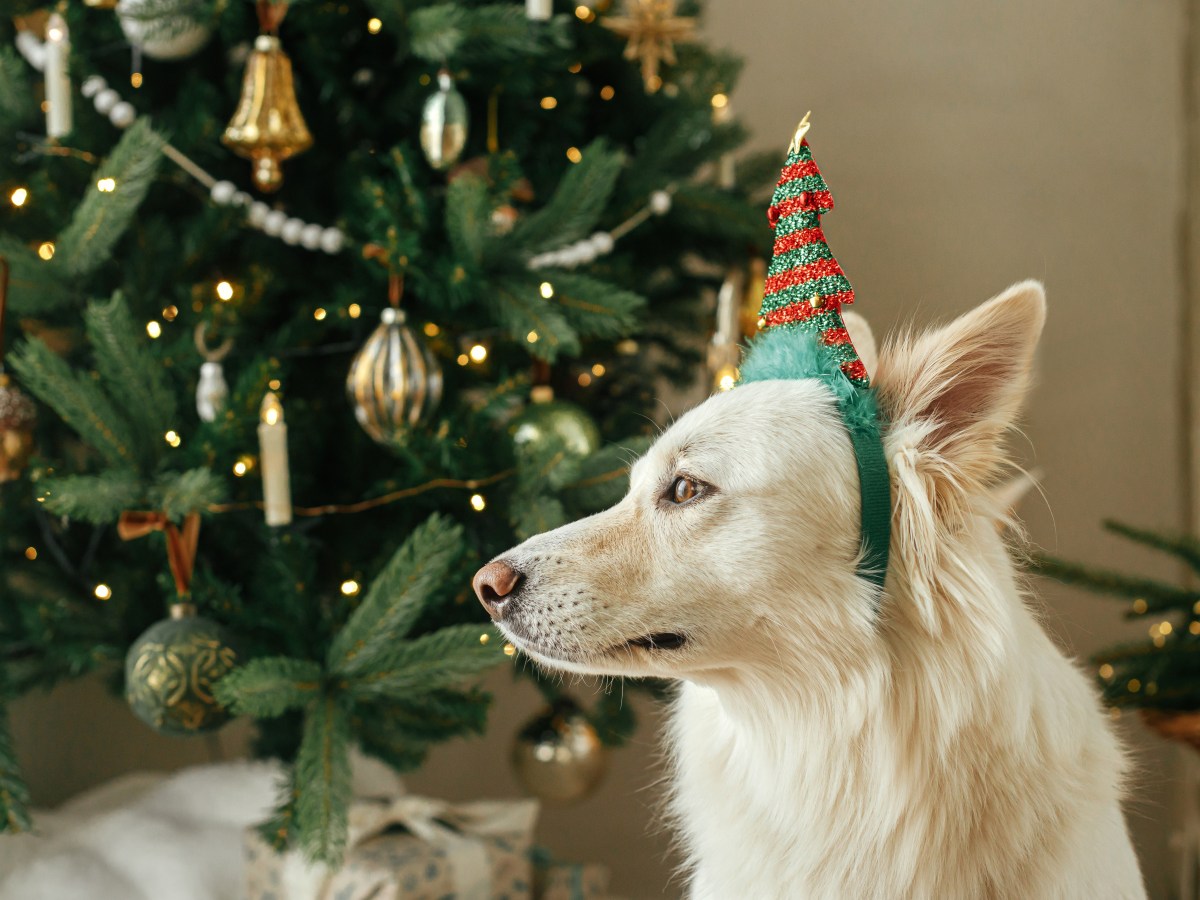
[
  {"x": 273, "y": 223},
  {"x": 222, "y": 193},
  {"x": 122, "y": 115},
  {"x": 291, "y": 231},
  {"x": 601, "y": 243},
  {"x": 105, "y": 100}
]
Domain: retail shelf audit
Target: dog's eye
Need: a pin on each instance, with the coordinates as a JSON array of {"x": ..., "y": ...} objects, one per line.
[{"x": 683, "y": 489}]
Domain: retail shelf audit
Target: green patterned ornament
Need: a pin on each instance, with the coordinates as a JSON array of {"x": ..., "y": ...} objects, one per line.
[
  {"x": 170, "y": 671},
  {"x": 547, "y": 419}
]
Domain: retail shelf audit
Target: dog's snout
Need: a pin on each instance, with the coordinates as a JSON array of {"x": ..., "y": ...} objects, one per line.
[{"x": 494, "y": 586}]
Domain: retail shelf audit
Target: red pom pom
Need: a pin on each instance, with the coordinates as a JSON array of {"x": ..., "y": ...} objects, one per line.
[{"x": 773, "y": 215}]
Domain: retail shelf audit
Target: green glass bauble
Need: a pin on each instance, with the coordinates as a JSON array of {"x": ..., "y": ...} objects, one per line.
[
  {"x": 556, "y": 420},
  {"x": 170, "y": 671}
]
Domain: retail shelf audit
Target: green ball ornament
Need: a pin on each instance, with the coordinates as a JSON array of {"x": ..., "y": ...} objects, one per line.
[
  {"x": 170, "y": 671},
  {"x": 555, "y": 420}
]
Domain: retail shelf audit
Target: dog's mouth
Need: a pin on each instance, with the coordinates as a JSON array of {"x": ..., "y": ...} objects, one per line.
[{"x": 663, "y": 640}]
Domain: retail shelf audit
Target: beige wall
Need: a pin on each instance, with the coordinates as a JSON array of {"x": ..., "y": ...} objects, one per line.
[{"x": 969, "y": 146}]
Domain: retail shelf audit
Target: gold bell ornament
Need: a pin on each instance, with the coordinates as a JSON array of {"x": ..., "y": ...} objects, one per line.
[
  {"x": 18, "y": 414},
  {"x": 267, "y": 126},
  {"x": 394, "y": 383}
]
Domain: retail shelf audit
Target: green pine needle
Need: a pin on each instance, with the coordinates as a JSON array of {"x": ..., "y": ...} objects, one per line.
[
  {"x": 269, "y": 687},
  {"x": 14, "y": 795},
  {"x": 180, "y": 493},
  {"x": 323, "y": 783},
  {"x": 595, "y": 308},
  {"x": 439, "y": 660},
  {"x": 579, "y": 201},
  {"x": 524, "y": 313},
  {"x": 98, "y": 499}
]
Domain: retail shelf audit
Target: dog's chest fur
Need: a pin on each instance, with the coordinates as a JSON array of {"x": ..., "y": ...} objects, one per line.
[{"x": 934, "y": 778}]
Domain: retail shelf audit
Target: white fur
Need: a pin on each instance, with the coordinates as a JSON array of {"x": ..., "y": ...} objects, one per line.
[{"x": 933, "y": 744}]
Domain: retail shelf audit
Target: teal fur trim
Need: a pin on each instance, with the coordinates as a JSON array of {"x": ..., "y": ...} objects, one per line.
[{"x": 786, "y": 354}]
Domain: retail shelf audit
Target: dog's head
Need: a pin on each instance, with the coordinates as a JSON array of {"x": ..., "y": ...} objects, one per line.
[{"x": 738, "y": 542}]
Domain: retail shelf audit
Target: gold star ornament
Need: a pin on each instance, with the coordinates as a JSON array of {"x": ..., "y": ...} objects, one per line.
[{"x": 652, "y": 28}]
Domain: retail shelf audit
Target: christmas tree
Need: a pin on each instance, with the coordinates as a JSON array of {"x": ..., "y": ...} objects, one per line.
[{"x": 303, "y": 359}]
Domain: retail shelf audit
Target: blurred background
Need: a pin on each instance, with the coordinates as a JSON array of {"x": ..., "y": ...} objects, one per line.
[{"x": 969, "y": 146}]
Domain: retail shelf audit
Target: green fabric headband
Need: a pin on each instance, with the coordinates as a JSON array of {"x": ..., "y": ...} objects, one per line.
[{"x": 803, "y": 336}]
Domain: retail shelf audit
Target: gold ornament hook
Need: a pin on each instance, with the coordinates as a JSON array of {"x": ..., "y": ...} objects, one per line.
[
  {"x": 801, "y": 131},
  {"x": 211, "y": 355}
]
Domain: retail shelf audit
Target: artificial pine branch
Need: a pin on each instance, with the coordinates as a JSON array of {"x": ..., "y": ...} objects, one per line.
[
  {"x": 103, "y": 216},
  {"x": 493, "y": 32},
  {"x": 439, "y": 660},
  {"x": 180, "y": 493},
  {"x": 579, "y": 201},
  {"x": 17, "y": 106},
  {"x": 323, "y": 771},
  {"x": 98, "y": 499},
  {"x": 602, "y": 478},
  {"x": 35, "y": 286},
  {"x": 269, "y": 687},
  {"x": 14, "y": 795},
  {"x": 1158, "y": 595},
  {"x": 468, "y": 220},
  {"x": 595, "y": 308},
  {"x": 1185, "y": 547},
  {"x": 523, "y": 312},
  {"x": 535, "y": 515}
]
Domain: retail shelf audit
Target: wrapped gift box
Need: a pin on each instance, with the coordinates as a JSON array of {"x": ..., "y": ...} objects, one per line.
[
  {"x": 412, "y": 848},
  {"x": 568, "y": 881}
]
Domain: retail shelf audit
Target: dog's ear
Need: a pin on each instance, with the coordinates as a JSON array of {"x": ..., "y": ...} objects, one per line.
[
  {"x": 863, "y": 341},
  {"x": 961, "y": 386},
  {"x": 950, "y": 395}
]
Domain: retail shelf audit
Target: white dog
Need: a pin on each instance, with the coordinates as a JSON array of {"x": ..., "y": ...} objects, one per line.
[{"x": 828, "y": 742}]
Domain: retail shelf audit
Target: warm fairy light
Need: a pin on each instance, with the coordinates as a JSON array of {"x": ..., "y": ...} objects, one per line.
[
  {"x": 1194, "y": 628},
  {"x": 19, "y": 196},
  {"x": 653, "y": 83},
  {"x": 102, "y": 592},
  {"x": 549, "y": 102},
  {"x": 1151, "y": 688},
  {"x": 607, "y": 92},
  {"x": 584, "y": 13},
  {"x": 153, "y": 329},
  {"x": 374, "y": 26},
  {"x": 46, "y": 250},
  {"x": 484, "y": 638},
  {"x": 1139, "y": 606},
  {"x": 274, "y": 384},
  {"x": 575, "y": 68},
  {"x": 1164, "y": 628},
  {"x": 425, "y": 79},
  {"x": 1106, "y": 671},
  {"x": 240, "y": 468},
  {"x": 170, "y": 312},
  {"x": 350, "y": 587},
  {"x": 598, "y": 370},
  {"x": 135, "y": 80},
  {"x": 431, "y": 330},
  {"x": 573, "y": 154},
  {"x": 720, "y": 101},
  {"x": 509, "y": 650},
  {"x": 224, "y": 291},
  {"x": 272, "y": 410},
  {"x": 354, "y": 310},
  {"x": 319, "y": 314},
  {"x": 546, "y": 289},
  {"x": 478, "y": 503},
  {"x": 532, "y": 337},
  {"x": 627, "y": 347},
  {"x": 31, "y": 553},
  {"x": 463, "y": 359},
  {"x": 173, "y": 438},
  {"x": 478, "y": 353},
  {"x": 727, "y": 377},
  {"x": 585, "y": 379},
  {"x": 1134, "y": 685},
  {"x": 106, "y": 185}
]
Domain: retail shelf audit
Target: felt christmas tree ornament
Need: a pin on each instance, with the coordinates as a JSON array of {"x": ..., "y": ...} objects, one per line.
[{"x": 802, "y": 335}]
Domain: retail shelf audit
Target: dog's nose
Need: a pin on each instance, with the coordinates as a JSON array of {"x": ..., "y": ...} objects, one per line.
[{"x": 494, "y": 585}]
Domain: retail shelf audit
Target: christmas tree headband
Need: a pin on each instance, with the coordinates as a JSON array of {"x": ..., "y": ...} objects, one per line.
[{"x": 802, "y": 335}]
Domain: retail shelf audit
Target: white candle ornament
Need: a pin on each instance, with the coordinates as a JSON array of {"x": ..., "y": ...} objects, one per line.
[
  {"x": 273, "y": 456},
  {"x": 58, "y": 81},
  {"x": 539, "y": 10}
]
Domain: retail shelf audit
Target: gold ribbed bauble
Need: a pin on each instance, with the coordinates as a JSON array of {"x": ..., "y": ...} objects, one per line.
[
  {"x": 170, "y": 671},
  {"x": 18, "y": 415},
  {"x": 558, "y": 756},
  {"x": 395, "y": 382},
  {"x": 267, "y": 126}
]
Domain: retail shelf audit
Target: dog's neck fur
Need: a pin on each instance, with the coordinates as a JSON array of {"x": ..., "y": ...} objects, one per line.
[{"x": 926, "y": 745}]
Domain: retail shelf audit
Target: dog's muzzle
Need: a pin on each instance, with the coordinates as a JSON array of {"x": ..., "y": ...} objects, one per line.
[{"x": 496, "y": 585}]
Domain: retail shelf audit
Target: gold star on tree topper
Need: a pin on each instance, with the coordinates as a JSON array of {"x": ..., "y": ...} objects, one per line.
[{"x": 651, "y": 27}]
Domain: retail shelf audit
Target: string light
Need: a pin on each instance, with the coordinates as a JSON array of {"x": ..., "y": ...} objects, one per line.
[
  {"x": 106, "y": 185},
  {"x": 584, "y": 13},
  {"x": 598, "y": 369},
  {"x": 573, "y": 154},
  {"x": 575, "y": 68},
  {"x": 431, "y": 330},
  {"x": 169, "y": 313},
  {"x": 549, "y": 102},
  {"x": 1139, "y": 606},
  {"x": 102, "y": 592},
  {"x": 1106, "y": 671},
  {"x": 547, "y": 290},
  {"x": 1164, "y": 628},
  {"x": 350, "y": 587},
  {"x": 153, "y": 329},
  {"x": 532, "y": 337},
  {"x": 509, "y": 650},
  {"x": 173, "y": 438},
  {"x": 19, "y": 196},
  {"x": 224, "y": 291},
  {"x": 607, "y": 92},
  {"x": 585, "y": 379},
  {"x": 319, "y": 314},
  {"x": 135, "y": 80},
  {"x": 374, "y": 26},
  {"x": 719, "y": 101},
  {"x": 484, "y": 638},
  {"x": 46, "y": 250},
  {"x": 1194, "y": 628},
  {"x": 1134, "y": 685},
  {"x": 478, "y": 353},
  {"x": 463, "y": 359},
  {"x": 354, "y": 310},
  {"x": 31, "y": 553},
  {"x": 240, "y": 468},
  {"x": 274, "y": 384},
  {"x": 478, "y": 503}
]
